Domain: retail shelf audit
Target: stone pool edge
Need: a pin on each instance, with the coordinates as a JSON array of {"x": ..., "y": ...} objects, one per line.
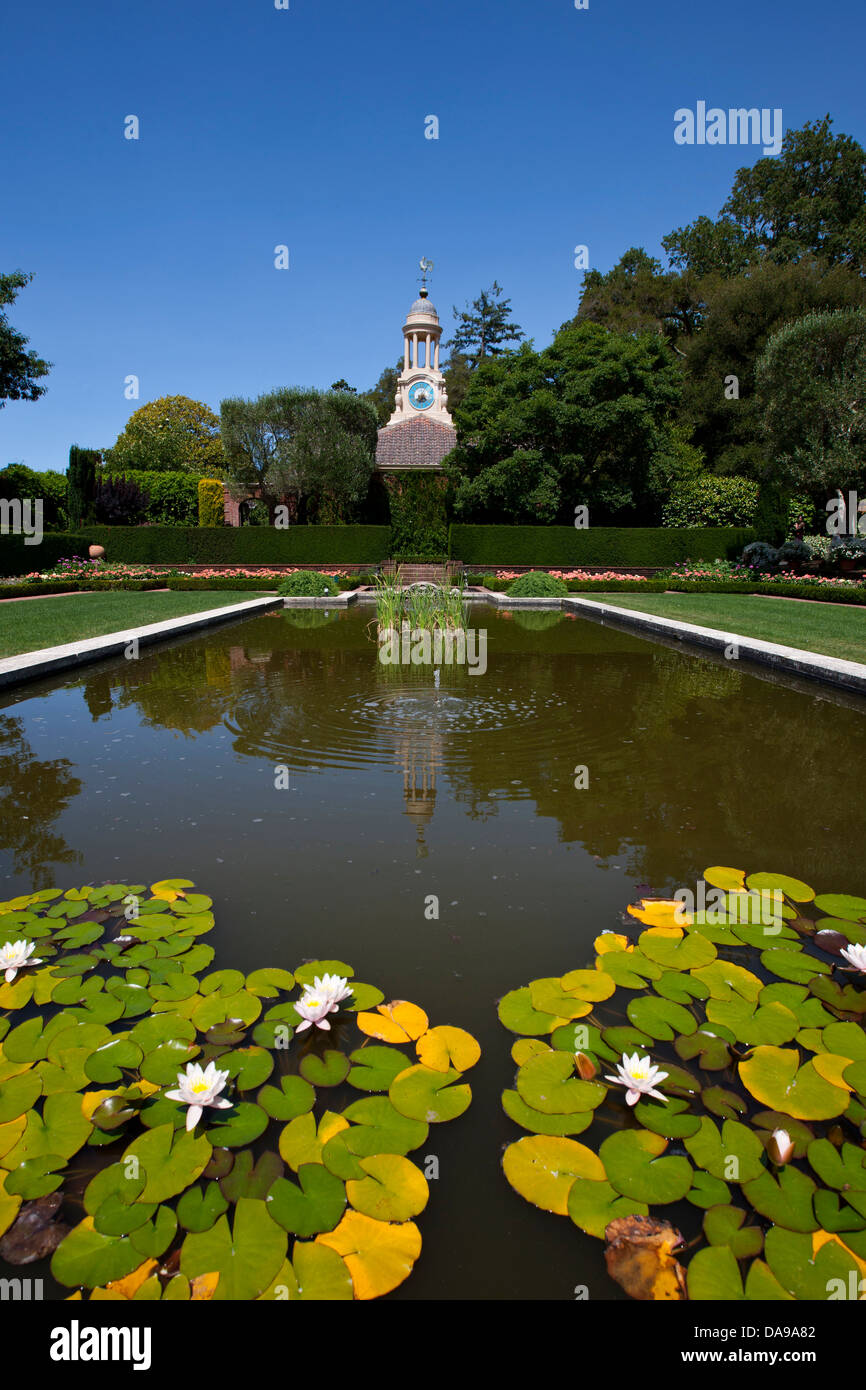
[
  {"x": 829, "y": 670},
  {"x": 15, "y": 670}
]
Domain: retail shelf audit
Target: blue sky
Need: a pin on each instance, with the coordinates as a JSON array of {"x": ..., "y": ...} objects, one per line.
[{"x": 305, "y": 127}]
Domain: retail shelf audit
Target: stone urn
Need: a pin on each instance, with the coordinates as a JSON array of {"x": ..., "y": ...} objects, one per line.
[{"x": 96, "y": 552}]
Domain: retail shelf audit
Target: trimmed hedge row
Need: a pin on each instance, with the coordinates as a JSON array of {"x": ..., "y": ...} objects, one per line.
[
  {"x": 555, "y": 546},
  {"x": 816, "y": 593},
  {"x": 242, "y": 545},
  {"x": 17, "y": 558},
  {"x": 45, "y": 587}
]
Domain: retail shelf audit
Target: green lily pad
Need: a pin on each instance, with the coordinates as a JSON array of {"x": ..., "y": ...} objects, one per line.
[
  {"x": 714, "y": 1274},
  {"x": 268, "y": 982},
  {"x": 107, "y": 1063},
  {"x": 378, "y": 1127},
  {"x": 724, "y": 979},
  {"x": 805, "y": 1274},
  {"x": 842, "y": 905},
  {"x": 724, "y": 1226},
  {"x": 754, "y": 1023},
  {"x": 294, "y": 1097},
  {"x": 170, "y": 1163},
  {"x": 681, "y": 988},
  {"x": 707, "y": 1191},
  {"x": 318, "y": 969},
  {"x": 798, "y": 966},
  {"x": 792, "y": 888},
  {"x": 727, "y": 1104},
  {"x": 677, "y": 953},
  {"x": 248, "y": 1179},
  {"x": 673, "y": 1120},
  {"x": 246, "y": 1255},
  {"x": 420, "y": 1093},
  {"x": 547, "y": 1083},
  {"x": 537, "y": 1123},
  {"x": 661, "y": 1018},
  {"x": 786, "y": 1199},
  {"x": 247, "y": 1066},
  {"x": 314, "y": 1206},
  {"x": 630, "y": 969},
  {"x": 329, "y": 1070},
  {"x": 592, "y": 1205},
  {"x": 735, "y": 1155},
  {"x": 393, "y": 1188},
  {"x": 162, "y": 1065},
  {"x": 635, "y": 1167},
  {"x": 200, "y": 1207},
  {"x": 374, "y": 1068},
  {"x": 228, "y": 1129},
  {"x": 774, "y": 1077},
  {"x": 85, "y": 1257},
  {"x": 712, "y": 1049},
  {"x": 35, "y": 1177},
  {"x": 18, "y": 1095},
  {"x": 517, "y": 1014}
]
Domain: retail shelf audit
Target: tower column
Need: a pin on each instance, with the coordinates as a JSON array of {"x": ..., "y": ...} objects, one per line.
[
  {"x": 436, "y": 364},
  {"x": 406, "y": 352},
  {"x": 427, "y": 362},
  {"x": 414, "y": 349}
]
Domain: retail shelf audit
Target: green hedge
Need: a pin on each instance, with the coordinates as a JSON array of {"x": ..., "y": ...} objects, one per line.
[
  {"x": 46, "y": 587},
  {"x": 17, "y": 558},
  {"x": 211, "y": 505},
  {"x": 172, "y": 496},
  {"x": 555, "y": 546},
  {"x": 196, "y": 585},
  {"x": 239, "y": 545}
]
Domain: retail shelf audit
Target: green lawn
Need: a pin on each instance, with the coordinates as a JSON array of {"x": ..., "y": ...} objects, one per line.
[
  {"x": 833, "y": 629},
  {"x": 27, "y": 625}
]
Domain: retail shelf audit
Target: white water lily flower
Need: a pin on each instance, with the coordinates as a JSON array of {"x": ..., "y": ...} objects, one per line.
[
  {"x": 333, "y": 985},
  {"x": 856, "y": 956},
  {"x": 639, "y": 1076},
  {"x": 197, "y": 1088},
  {"x": 314, "y": 1007},
  {"x": 781, "y": 1147},
  {"x": 14, "y": 955}
]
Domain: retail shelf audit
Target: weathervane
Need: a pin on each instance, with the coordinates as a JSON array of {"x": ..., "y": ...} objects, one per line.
[{"x": 426, "y": 267}]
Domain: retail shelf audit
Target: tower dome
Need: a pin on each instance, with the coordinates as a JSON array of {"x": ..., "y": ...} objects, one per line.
[{"x": 420, "y": 432}]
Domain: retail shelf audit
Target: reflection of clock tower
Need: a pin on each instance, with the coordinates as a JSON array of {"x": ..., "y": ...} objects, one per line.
[{"x": 420, "y": 432}]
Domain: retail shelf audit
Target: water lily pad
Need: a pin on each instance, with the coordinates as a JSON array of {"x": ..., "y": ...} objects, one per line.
[
  {"x": 725, "y": 980},
  {"x": 421, "y": 1093},
  {"x": 374, "y": 1068},
  {"x": 725, "y": 878},
  {"x": 302, "y": 1140},
  {"x": 200, "y": 1207},
  {"x": 379, "y": 1254},
  {"x": 630, "y": 969},
  {"x": 725, "y": 1103},
  {"x": 707, "y": 1191},
  {"x": 785, "y": 1198},
  {"x": 246, "y": 1255},
  {"x": 18, "y": 1095},
  {"x": 316, "y": 1273},
  {"x": 317, "y": 969},
  {"x": 775, "y": 1078},
  {"x": 547, "y": 1083},
  {"x": 170, "y": 1163},
  {"x": 793, "y": 888},
  {"x": 339, "y": 1160},
  {"x": 754, "y": 1023},
  {"x": 378, "y": 1127},
  {"x": 247, "y": 1066},
  {"x": 724, "y": 1226},
  {"x": 295, "y": 1096},
  {"x": 634, "y": 1165},
  {"x": 36, "y": 1177},
  {"x": 677, "y": 952},
  {"x": 673, "y": 1120},
  {"x": 162, "y": 1065},
  {"x": 712, "y": 1049},
  {"x": 735, "y": 1155},
  {"x": 107, "y": 1063},
  {"x": 314, "y": 1206},
  {"x": 806, "y": 1272},
  {"x": 268, "y": 982},
  {"x": 62, "y": 1129},
  {"x": 542, "y": 1168},
  {"x": 397, "y": 1022},
  {"x": 842, "y": 905},
  {"x": 247, "y": 1178},
  {"x": 592, "y": 1205},
  {"x": 682, "y": 988},
  {"x": 516, "y": 1108},
  {"x": 328, "y": 1070},
  {"x": 517, "y": 1014},
  {"x": 445, "y": 1047},
  {"x": 798, "y": 966},
  {"x": 89, "y": 1258},
  {"x": 714, "y": 1274},
  {"x": 228, "y": 1129},
  {"x": 548, "y": 996},
  {"x": 661, "y": 1018}
]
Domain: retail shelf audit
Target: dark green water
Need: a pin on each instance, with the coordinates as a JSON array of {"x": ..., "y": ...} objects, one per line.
[{"x": 135, "y": 771}]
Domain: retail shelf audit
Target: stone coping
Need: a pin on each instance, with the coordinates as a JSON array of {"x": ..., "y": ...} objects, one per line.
[
  {"x": 14, "y": 670},
  {"x": 813, "y": 666},
  {"x": 341, "y": 600}
]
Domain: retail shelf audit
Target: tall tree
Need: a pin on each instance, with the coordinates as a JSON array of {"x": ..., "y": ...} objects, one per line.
[
  {"x": 719, "y": 369},
  {"x": 808, "y": 202},
  {"x": 483, "y": 328},
  {"x": 381, "y": 396},
  {"x": 20, "y": 370},
  {"x": 311, "y": 450},
  {"x": 172, "y": 434},
  {"x": 638, "y": 296},
  {"x": 580, "y": 423},
  {"x": 81, "y": 484},
  {"x": 811, "y": 391}
]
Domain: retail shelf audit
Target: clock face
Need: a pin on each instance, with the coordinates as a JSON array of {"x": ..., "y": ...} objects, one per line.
[{"x": 421, "y": 395}]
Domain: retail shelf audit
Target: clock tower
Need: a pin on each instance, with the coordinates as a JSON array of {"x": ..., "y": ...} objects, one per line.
[{"x": 420, "y": 432}]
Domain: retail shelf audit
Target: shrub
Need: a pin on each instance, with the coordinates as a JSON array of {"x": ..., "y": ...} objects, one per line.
[
  {"x": 760, "y": 556},
  {"x": 81, "y": 483},
  {"x": 119, "y": 502},
  {"x": 308, "y": 583},
  {"x": 172, "y": 498},
  {"x": 712, "y": 501},
  {"x": 819, "y": 546},
  {"x": 211, "y": 510},
  {"x": 18, "y": 481},
  {"x": 537, "y": 584},
  {"x": 795, "y": 553}
]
